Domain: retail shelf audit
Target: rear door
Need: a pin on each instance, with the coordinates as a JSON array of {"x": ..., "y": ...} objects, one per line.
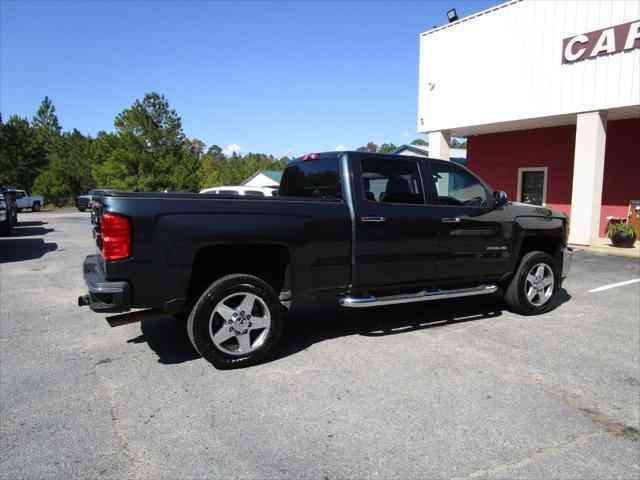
[
  {"x": 396, "y": 233},
  {"x": 474, "y": 235}
]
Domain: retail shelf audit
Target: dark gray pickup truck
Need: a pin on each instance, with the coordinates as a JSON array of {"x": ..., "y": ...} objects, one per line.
[{"x": 365, "y": 229}]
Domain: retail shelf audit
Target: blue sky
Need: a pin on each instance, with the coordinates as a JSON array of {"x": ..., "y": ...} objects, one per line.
[{"x": 272, "y": 77}]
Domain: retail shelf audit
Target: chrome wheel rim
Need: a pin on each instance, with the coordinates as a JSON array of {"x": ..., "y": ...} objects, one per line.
[
  {"x": 239, "y": 324},
  {"x": 539, "y": 284}
]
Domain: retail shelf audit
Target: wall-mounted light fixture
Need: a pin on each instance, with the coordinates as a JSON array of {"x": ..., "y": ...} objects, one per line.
[{"x": 452, "y": 15}]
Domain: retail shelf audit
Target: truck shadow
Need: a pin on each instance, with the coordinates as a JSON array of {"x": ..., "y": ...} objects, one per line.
[
  {"x": 17, "y": 250},
  {"x": 21, "y": 230},
  {"x": 35, "y": 223},
  {"x": 314, "y": 322}
]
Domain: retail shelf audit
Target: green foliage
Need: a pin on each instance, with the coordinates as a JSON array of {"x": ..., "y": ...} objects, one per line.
[
  {"x": 69, "y": 170},
  {"x": 387, "y": 148},
  {"x": 217, "y": 170},
  {"x": 420, "y": 142},
  {"x": 20, "y": 156},
  {"x": 148, "y": 151},
  {"x": 455, "y": 143},
  {"x": 621, "y": 227},
  {"x": 369, "y": 147}
]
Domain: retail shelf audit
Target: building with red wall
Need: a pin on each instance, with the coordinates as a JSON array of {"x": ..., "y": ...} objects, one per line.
[
  {"x": 498, "y": 158},
  {"x": 550, "y": 104}
]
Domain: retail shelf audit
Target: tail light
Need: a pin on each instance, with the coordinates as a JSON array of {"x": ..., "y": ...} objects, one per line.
[
  {"x": 310, "y": 156},
  {"x": 115, "y": 233}
]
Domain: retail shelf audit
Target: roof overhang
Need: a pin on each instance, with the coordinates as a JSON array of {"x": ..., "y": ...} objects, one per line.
[{"x": 613, "y": 114}]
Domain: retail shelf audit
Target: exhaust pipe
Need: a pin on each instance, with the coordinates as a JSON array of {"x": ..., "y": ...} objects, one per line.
[{"x": 133, "y": 317}]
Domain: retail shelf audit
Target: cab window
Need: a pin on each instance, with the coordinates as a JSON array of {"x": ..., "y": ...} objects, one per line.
[
  {"x": 391, "y": 181},
  {"x": 457, "y": 187},
  {"x": 312, "y": 178}
]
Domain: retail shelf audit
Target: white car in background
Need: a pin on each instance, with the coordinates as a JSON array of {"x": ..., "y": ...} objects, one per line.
[
  {"x": 24, "y": 200},
  {"x": 243, "y": 191}
]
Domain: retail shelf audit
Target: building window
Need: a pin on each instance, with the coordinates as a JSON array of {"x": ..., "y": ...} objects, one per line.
[{"x": 532, "y": 185}]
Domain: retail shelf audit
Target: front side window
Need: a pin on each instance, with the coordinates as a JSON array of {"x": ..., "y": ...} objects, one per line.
[
  {"x": 312, "y": 178},
  {"x": 253, "y": 193},
  {"x": 457, "y": 187},
  {"x": 392, "y": 181}
]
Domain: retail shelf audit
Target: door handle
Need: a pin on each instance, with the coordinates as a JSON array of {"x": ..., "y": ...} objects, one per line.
[
  {"x": 451, "y": 220},
  {"x": 373, "y": 219}
]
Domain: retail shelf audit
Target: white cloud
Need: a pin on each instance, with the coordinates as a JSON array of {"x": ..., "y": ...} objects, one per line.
[
  {"x": 233, "y": 148},
  {"x": 405, "y": 134},
  {"x": 341, "y": 147}
]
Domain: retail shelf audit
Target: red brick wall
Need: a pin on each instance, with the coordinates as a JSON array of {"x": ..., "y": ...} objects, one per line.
[{"x": 497, "y": 157}]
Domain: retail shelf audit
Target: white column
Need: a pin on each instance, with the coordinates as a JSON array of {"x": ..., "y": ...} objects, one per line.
[
  {"x": 439, "y": 145},
  {"x": 588, "y": 170}
]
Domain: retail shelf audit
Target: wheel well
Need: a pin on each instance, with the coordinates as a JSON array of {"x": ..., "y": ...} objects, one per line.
[
  {"x": 267, "y": 262},
  {"x": 550, "y": 245}
]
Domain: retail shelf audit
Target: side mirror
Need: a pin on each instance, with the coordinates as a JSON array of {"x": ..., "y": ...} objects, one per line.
[{"x": 500, "y": 198}]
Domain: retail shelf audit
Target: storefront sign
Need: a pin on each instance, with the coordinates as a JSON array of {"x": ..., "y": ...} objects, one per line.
[{"x": 601, "y": 42}]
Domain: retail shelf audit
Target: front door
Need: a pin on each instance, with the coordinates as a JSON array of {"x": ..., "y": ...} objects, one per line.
[
  {"x": 396, "y": 232},
  {"x": 474, "y": 236}
]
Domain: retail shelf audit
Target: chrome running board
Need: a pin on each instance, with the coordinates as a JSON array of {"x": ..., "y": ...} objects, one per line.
[{"x": 371, "y": 301}]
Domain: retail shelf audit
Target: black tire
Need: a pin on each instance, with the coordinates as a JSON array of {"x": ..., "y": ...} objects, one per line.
[
  {"x": 19, "y": 210},
  {"x": 516, "y": 291},
  {"x": 6, "y": 228},
  {"x": 202, "y": 315},
  {"x": 81, "y": 209},
  {"x": 35, "y": 207}
]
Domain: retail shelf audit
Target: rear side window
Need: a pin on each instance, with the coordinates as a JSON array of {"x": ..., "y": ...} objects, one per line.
[
  {"x": 312, "y": 178},
  {"x": 228, "y": 192},
  {"x": 392, "y": 181},
  {"x": 254, "y": 193}
]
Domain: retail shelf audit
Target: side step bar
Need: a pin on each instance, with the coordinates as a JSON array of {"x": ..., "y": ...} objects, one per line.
[{"x": 355, "y": 302}]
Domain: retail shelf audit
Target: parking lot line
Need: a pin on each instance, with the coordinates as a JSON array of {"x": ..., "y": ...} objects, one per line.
[{"x": 614, "y": 285}]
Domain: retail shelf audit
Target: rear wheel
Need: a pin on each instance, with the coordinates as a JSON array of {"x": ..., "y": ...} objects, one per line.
[
  {"x": 236, "y": 322},
  {"x": 534, "y": 287},
  {"x": 6, "y": 228},
  {"x": 81, "y": 209},
  {"x": 35, "y": 207}
]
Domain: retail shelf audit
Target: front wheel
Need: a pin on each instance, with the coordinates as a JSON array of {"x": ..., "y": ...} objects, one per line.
[
  {"x": 236, "y": 322},
  {"x": 534, "y": 287}
]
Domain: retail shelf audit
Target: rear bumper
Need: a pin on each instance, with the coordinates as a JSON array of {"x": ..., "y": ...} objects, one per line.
[
  {"x": 104, "y": 296},
  {"x": 82, "y": 203},
  {"x": 567, "y": 260}
]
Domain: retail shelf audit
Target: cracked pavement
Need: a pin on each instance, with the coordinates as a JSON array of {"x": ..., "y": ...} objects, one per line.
[{"x": 453, "y": 389}]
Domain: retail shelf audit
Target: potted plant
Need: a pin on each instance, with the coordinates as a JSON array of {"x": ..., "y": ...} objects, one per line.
[{"x": 621, "y": 234}]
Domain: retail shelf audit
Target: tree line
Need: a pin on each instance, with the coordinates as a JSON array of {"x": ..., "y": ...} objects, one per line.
[
  {"x": 390, "y": 147},
  {"x": 147, "y": 151}
]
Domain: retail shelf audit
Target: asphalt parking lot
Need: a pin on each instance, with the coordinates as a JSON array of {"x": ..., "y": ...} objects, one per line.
[{"x": 455, "y": 389}]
